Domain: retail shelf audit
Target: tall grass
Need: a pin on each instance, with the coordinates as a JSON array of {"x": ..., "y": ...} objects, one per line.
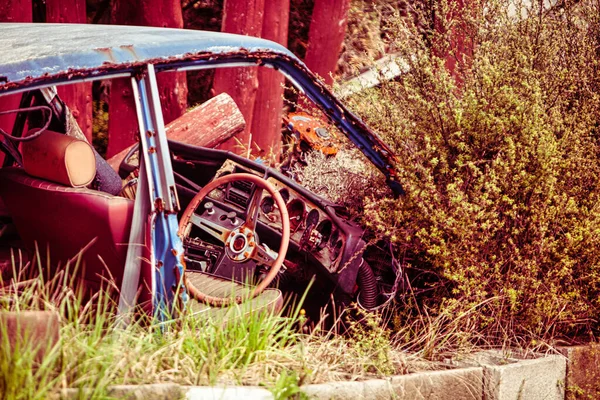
[{"x": 96, "y": 351}]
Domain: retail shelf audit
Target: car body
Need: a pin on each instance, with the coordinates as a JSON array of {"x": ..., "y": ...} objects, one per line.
[{"x": 147, "y": 254}]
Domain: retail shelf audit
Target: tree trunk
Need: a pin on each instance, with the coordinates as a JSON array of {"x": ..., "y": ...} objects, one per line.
[
  {"x": 326, "y": 36},
  {"x": 12, "y": 11},
  {"x": 122, "y": 120},
  {"x": 242, "y": 17},
  {"x": 77, "y": 97},
  {"x": 266, "y": 120},
  {"x": 122, "y": 125},
  {"x": 16, "y": 11}
]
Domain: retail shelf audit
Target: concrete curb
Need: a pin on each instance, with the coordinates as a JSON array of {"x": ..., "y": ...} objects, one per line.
[
  {"x": 540, "y": 378},
  {"x": 487, "y": 376},
  {"x": 457, "y": 384},
  {"x": 465, "y": 383},
  {"x": 158, "y": 391},
  {"x": 509, "y": 376},
  {"x": 228, "y": 393}
]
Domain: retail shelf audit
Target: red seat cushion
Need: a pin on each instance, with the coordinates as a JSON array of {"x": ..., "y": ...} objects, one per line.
[{"x": 66, "y": 220}]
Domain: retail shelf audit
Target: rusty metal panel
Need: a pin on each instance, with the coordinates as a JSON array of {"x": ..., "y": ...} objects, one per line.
[{"x": 34, "y": 51}]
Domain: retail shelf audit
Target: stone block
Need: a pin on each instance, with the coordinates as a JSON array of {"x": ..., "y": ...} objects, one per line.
[
  {"x": 229, "y": 393},
  {"x": 36, "y": 331},
  {"x": 540, "y": 378},
  {"x": 157, "y": 391},
  {"x": 583, "y": 371},
  {"x": 459, "y": 384},
  {"x": 456, "y": 384},
  {"x": 508, "y": 377},
  {"x": 334, "y": 390}
]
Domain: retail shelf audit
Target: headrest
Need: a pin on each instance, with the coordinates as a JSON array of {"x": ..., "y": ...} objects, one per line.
[{"x": 59, "y": 158}]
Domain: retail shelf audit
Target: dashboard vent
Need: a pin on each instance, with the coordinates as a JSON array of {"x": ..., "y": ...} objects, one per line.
[
  {"x": 244, "y": 186},
  {"x": 240, "y": 192},
  {"x": 238, "y": 197}
]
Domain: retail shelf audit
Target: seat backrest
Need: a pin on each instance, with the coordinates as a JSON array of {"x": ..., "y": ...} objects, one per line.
[{"x": 66, "y": 220}]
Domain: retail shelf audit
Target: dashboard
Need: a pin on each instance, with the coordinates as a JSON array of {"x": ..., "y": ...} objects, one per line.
[
  {"x": 311, "y": 229},
  {"x": 323, "y": 239}
]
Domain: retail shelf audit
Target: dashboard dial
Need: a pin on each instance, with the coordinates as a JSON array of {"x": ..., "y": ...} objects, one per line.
[
  {"x": 309, "y": 240},
  {"x": 285, "y": 195},
  {"x": 324, "y": 228},
  {"x": 334, "y": 237},
  {"x": 337, "y": 249},
  {"x": 312, "y": 219},
  {"x": 296, "y": 211},
  {"x": 267, "y": 205}
]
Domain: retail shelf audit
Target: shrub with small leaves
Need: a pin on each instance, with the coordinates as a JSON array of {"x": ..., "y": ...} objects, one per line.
[{"x": 500, "y": 164}]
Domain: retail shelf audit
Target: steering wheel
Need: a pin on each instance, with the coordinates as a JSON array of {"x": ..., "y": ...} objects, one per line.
[{"x": 240, "y": 241}]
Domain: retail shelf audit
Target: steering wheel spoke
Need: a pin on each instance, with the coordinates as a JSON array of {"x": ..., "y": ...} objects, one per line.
[
  {"x": 264, "y": 255},
  {"x": 252, "y": 212},
  {"x": 215, "y": 230}
]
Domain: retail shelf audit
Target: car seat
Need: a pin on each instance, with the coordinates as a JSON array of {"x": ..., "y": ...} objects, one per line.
[{"x": 76, "y": 224}]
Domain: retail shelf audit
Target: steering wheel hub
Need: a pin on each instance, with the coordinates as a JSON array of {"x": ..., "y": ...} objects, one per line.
[{"x": 240, "y": 244}]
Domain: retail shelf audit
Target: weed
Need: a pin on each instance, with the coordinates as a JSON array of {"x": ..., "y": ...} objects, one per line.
[
  {"x": 287, "y": 387},
  {"x": 96, "y": 350},
  {"x": 372, "y": 343}
]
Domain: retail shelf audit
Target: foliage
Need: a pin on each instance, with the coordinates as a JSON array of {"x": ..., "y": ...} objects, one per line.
[
  {"x": 369, "y": 34},
  {"x": 287, "y": 387},
  {"x": 369, "y": 339},
  {"x": 500, "y": 165},
  {"x": 100, "y": 126}
]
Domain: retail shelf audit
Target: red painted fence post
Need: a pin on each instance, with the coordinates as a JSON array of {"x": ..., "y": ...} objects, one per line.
[
  {"x": 326, "y": 36},
  {"x": 243, "y": 17},
  {"x": 12, "y": 11},
  {"x": 267, "y": 117},
  {"x": 455, "y": 45}
]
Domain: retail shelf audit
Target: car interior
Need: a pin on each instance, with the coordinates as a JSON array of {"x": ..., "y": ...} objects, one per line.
[{"x": 59, "y": 196}]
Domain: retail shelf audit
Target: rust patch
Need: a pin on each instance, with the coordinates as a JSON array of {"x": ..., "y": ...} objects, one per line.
[
  {"x": 159, "y": 205},
  {"x": 131, "y": 49},
  {"x": 108, "y": 52},
  {"x": 108, "y": 66}
]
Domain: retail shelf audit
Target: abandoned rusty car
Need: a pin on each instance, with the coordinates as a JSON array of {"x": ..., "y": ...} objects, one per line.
[{"x": 203, "y": 227}]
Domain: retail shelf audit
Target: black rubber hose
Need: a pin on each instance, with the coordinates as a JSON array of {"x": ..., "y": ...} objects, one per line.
[{"x": 367, "y": 284}]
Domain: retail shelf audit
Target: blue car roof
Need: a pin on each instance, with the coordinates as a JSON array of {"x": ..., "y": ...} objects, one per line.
[{"x": 33, "y": 51}]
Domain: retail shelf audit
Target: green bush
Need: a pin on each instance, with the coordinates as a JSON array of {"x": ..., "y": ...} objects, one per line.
[{"x": 500, "y": 164}]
